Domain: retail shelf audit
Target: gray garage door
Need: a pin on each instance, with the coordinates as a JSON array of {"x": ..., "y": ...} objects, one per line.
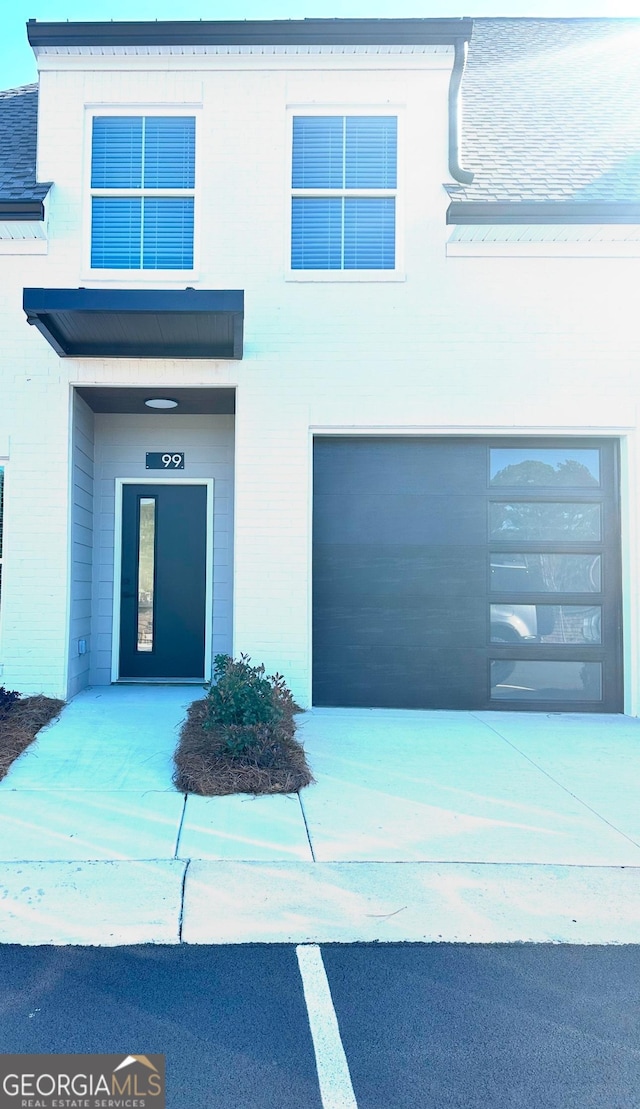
[{"x": 458, "y": 573}]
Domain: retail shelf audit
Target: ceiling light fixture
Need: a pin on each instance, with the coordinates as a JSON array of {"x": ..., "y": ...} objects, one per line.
[{"x": 161, "y": 402}]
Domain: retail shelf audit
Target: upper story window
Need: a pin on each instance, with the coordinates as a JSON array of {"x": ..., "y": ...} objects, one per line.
[
  {"x": 142, "y": 192},
  {"x": 344, "y": 182}
]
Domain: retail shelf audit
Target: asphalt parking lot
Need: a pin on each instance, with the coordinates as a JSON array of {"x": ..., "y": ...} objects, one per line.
[{"x": 429, "y": 1026}]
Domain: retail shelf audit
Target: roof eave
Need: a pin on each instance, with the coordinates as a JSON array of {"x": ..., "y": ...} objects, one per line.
[
  {"x": 277, "y": 32},
  {"x": 26, "y": 211},
  {"x": 540, "y": 212}
]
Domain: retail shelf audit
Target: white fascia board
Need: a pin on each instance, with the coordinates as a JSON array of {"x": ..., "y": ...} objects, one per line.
[{"x": 22, "y": 246}]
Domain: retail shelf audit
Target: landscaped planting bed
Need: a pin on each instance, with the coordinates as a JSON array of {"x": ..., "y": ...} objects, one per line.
[
  {"x": 241, "y": 737},
  {"x": 21, "y": 718}
]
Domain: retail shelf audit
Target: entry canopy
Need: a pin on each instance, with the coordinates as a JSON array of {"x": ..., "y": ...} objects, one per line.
[{"x": 139, "y": 323}]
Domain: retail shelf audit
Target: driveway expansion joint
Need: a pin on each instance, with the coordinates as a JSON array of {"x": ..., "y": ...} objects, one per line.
[
  {"x": 182, "y": 889},
  {"x": 306, "y": 827},
  {"x": 179, "y": 832},
  {"x": 560, "y": 785}
]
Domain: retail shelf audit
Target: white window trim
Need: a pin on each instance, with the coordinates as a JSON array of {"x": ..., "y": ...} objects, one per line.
[
  {"x": 148, "y": 276},
  {"x": 348, "y": 276}
]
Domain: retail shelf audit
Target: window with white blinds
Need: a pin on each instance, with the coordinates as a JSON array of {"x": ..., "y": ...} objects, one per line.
[
  {"x": 142, "y": 192},
  {"x": 344, "y": 182}
]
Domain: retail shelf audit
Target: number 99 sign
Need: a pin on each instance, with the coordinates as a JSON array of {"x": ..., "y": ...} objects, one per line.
[{"x": 165, "y": 460}]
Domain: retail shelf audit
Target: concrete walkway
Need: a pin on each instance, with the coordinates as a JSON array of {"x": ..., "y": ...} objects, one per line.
[{"x": 421, "y": 826}]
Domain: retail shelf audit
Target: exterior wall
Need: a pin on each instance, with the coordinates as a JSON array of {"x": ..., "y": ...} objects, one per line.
[
  {"x": 456, "y": 345},
  {"x": 82, "y": 537},
  {"x": 243, "y": 111},
  {"x": 121, "y": 443},
  {"x": 506, "y": 346},
  {"x": 34, "y": 443}
]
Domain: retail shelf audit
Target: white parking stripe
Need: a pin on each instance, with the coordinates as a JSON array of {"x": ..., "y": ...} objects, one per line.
[{"x": 336, "y": 1090}]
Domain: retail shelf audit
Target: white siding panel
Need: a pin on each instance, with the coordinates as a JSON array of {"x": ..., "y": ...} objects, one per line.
[{"x": 81, "y": 545}]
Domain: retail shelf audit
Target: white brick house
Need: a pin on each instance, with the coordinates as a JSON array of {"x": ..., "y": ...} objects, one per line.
[{"x": 395, "y": 300}]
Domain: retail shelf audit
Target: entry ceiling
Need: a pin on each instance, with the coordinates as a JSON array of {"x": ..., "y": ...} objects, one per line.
[{"x": 191, "y": 402}]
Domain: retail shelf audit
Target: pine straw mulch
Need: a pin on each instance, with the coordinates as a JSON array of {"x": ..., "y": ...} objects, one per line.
[
  {"x": 202, "y": 766},
  {"x": 20, "y": 724}
]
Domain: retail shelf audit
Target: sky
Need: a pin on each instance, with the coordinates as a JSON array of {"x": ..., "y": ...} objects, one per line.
[{"x": 17, "y": 64}]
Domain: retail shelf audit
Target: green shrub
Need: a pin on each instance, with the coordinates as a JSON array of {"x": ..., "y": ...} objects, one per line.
[
  {"x": 246, "y": 706},
  {"x": 8, "y": 697}
]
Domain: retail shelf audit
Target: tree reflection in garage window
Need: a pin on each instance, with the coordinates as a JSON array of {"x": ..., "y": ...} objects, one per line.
[
  {"x": 545, "y": 520},
  {"x": 545, "y": 467}
]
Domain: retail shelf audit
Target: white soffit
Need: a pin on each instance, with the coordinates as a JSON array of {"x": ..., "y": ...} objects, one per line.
[
  {"x": 546, "y": 233},
  {"x": 22, "y": 230},
  {"x": 567, "y": 240}
]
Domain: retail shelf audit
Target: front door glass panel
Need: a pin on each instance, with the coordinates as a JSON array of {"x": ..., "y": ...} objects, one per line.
[{"x": 146, "y": 571}]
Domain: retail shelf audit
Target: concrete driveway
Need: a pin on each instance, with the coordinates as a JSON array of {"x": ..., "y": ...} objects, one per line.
[{"x": 421, "y": 825}]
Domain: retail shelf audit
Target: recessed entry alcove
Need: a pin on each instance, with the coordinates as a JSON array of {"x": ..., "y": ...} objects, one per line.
[{"x": 152, "y": 533}]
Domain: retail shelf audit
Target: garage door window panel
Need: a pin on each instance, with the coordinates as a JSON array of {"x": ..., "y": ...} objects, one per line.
[
  {"x": 552, "y": 624},
  {"x": 546, "y": 521},
  {"x": 545, "y": 572},
  {"x": 546, "y": 680},
  {"x": 545, "y": 466},
  {"x": 573, "y": 644}
]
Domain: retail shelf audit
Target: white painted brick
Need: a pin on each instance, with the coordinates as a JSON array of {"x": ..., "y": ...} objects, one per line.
[{"x": 462, "y": 345}]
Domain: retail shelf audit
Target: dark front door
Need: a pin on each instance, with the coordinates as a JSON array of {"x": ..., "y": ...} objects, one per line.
[
  {"x": 163, "y": 588},
  {"x": 467, "y": 573}
]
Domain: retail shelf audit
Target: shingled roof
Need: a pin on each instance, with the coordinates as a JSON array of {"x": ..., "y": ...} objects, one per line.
[
  {"x": 551, "y": 111},
  {"x": 550, "y": 114},
  {"x": 18, "y": 129}
]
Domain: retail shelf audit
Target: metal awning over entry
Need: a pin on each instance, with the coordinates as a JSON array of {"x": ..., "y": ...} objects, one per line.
[{"x": 139, "y": 323}]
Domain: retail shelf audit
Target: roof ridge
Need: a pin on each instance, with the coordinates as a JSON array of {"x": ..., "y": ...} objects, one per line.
[{"x": 31, "y": 87}]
